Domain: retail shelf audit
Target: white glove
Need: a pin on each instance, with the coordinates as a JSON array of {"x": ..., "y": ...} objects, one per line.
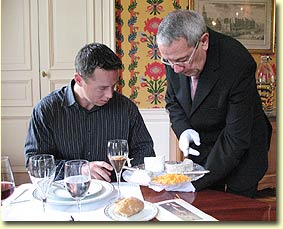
[{"x": 187, "y": 137}]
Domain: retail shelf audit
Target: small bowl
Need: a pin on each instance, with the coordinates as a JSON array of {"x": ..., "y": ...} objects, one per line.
[{"x": 174, "y": 167}]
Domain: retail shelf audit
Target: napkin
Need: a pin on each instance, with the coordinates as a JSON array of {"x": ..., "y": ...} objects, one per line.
[{"x": 180, "y": 187}]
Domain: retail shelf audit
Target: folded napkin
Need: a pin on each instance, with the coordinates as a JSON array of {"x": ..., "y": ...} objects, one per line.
[{"x": 180, "y": 187}]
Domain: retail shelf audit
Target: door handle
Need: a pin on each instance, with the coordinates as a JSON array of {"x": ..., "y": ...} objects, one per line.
[{"x": 44, "y": 74}]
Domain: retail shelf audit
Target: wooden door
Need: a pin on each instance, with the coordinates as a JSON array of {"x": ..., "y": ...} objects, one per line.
[
  {"x": 40, "y": 39},
  {"x": 19, "y": 75}
]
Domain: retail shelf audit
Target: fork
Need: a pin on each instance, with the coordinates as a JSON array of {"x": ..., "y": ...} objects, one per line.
[{"x": 14, "y": 201}]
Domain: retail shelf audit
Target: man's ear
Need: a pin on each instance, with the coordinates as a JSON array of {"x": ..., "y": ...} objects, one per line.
[
  {"x": 205, "y": 41},
  {"x": 78, "y": 79}
]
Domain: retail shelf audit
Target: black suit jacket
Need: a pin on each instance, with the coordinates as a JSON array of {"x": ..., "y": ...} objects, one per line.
[{"x": 226, "y": 112}]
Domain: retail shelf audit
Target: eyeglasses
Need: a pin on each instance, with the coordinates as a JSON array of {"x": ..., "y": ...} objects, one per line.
[{"x": 181, "y": 63}]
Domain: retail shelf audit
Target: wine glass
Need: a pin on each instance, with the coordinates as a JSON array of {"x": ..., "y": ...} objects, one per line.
[
  {"x": 77, "y": 179},
  {"x": 117, "y": 152},
  {"x": 7, "y": 178},
  {"x": 41, "y": 169}
]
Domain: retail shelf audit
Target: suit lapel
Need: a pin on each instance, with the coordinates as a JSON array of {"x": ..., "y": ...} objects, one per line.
[
  {"x": 205, "y": 85},
  {"x": 208, "y": 77}
]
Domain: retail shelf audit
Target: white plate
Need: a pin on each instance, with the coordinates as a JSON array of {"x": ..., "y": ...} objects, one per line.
[
  {"x": 128, "y": 173},
  {"x": 57, "y": 192},
  {"x": 148, "y": 213},
  {"x": 106, "y": 190}
]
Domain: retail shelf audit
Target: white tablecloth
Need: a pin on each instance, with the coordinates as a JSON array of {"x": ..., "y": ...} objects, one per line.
[{"x": 31, "y": 209}]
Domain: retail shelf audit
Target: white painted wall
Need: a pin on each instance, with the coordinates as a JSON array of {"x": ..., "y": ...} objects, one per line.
[{"x": 158, "y": 124}]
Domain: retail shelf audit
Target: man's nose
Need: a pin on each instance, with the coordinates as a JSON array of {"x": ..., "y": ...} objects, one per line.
[{"x": 177, "y": 68}]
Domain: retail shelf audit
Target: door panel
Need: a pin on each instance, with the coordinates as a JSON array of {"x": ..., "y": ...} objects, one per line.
[
  {"x": 64, "y": 29},
  {"x": 19, "y": 55},
  {"x": 19, "y": 75}
]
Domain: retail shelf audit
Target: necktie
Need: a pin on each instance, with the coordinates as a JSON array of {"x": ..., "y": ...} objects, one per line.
[{"x": 194, "y": 85}]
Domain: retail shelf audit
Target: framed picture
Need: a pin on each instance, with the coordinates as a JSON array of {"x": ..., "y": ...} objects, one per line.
[{"x": 252, "y": 22}]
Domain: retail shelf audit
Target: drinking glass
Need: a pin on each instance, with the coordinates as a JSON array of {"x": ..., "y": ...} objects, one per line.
[
  {"x": 117, "y": 152},
  {"x": 41, "y": 169},
  {"x": 77, "y": 180},
  {"x": 7, "y": 178}
]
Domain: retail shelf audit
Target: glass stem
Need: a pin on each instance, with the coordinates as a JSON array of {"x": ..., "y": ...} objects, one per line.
[
  {"x": 79, "y": 208},
  {"x": 44, "y": 200},
  {"x": 118, "y": 175}
]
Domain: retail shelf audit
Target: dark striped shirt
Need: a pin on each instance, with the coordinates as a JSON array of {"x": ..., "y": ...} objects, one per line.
[{"x": 60, "y": 126}]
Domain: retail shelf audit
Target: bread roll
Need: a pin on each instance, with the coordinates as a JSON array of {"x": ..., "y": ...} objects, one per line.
[{"x": 128, "y": 206}]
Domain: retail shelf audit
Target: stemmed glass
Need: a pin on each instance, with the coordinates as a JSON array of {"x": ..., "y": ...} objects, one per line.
[
  {"x": 77, "y": 179},
  {"x": 41, "y": 169},
  {"x": 7, "y": 178},
  {"x": 117, "y": 152}
]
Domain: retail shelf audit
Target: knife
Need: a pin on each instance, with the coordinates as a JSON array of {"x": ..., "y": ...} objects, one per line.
[
  {"x": 130, "y": 168},
  {"x": 199, "y": 172},
  {"x": 14, "y": 201}
]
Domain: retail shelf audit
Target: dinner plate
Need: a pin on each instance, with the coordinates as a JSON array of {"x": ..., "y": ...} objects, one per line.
[
  {"x": 148, "y": 213},
  {"x": 57, "y": 190},
  {"x": 105, "y": 191},
  {"x": 193, "y": 177}
]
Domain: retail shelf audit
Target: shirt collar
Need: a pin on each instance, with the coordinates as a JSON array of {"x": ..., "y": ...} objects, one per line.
[{"x": 69, "y": 99}]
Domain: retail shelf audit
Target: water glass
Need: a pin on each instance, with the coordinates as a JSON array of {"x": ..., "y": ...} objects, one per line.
[
  {"x": 77, "y": 179},
  {"x": 41, "y": 169}
]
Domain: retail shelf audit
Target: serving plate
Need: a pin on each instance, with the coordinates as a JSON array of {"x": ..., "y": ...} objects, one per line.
[
  {"x": 105, "y": 191},
  {"x": 197, "y": 172},
  {"x": 148, "y": 213}
]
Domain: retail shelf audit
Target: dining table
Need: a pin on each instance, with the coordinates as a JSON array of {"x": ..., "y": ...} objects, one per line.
[{"x": 220, "y": 206}]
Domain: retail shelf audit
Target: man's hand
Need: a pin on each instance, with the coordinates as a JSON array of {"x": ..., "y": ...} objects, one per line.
[
  {"x": 187, "y": 137},
  {"x": 100, "y": 170}
]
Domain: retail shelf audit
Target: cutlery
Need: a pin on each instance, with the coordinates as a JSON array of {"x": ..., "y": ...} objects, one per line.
[
  {"x": 14, "y": 201},
  {"x": 130, "y": 168},
  {"x": 196, "y": 172},
  {"x": 17, "y": 202}
]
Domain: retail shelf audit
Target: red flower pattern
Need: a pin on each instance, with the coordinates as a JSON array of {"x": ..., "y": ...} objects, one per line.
[
  {"x": 151, "y": 25},
  {"x": 155, "y": 70}
]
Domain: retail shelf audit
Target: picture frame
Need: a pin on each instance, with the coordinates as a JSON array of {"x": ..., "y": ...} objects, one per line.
[{"x": 250, "y": 22}]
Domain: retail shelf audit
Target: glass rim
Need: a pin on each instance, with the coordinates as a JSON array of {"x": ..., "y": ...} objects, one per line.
[
  {"x": 118, "y": 139},
  {"x": 40, "y": 157},
  {"x": 69, "y": 162}
]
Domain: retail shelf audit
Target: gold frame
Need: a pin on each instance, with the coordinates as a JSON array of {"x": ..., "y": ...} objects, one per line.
[{"x": 268, "y": 44}]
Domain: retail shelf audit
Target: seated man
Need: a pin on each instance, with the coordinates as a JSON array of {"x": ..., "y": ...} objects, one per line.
[{"x": 76, "y": 121}]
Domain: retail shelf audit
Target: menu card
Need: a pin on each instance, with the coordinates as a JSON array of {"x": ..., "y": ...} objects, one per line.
[{"x": 180, "y": 210}]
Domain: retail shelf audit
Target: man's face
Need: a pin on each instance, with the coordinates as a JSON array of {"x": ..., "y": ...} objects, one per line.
[
  {"x": 183, "y": 59},
  {"x": 98, "y": 89}
]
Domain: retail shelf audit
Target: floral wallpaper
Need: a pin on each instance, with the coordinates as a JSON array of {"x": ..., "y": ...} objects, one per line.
[{"x": 142, "y": 78}]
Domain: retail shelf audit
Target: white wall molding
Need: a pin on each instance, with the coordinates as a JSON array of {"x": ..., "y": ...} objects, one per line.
[
  {"x": 104, "y": 31},
  {"x": 158, "y": 124}
]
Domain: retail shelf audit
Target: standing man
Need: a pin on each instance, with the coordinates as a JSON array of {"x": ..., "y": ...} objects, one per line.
[
  {"x": 214, "y": 106},
  {"x": 76, "y": 121}
]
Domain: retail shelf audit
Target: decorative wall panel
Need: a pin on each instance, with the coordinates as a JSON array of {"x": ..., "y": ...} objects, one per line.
[{"x": 143, "y": 76}]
